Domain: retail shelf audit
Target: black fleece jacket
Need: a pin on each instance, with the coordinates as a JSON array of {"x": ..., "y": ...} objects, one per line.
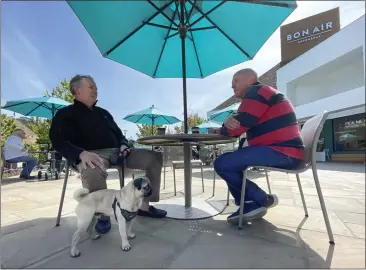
[{"x": 76, "y": 128}]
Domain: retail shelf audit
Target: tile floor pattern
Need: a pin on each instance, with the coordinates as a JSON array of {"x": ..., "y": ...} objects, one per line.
[{"x": 30, "y": 239}]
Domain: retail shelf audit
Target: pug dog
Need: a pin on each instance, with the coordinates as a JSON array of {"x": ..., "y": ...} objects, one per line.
[{"x": 121, "y": 204}]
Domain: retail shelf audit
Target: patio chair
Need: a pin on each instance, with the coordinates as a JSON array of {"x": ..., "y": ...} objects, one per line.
[
  {"x": 310, "y": 135},
  {"x": 4, "y": 164},
  {"x": 195, "y": 163},
  {"x": 68, "y": 167}
]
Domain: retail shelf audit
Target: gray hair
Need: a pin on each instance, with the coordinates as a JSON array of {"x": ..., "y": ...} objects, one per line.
[
  {"x": 76, "y": 81},
  {"x": 18, "y": 132}
]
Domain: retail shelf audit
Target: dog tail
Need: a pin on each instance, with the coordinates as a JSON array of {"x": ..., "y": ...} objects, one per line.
[{"x": 80, "y": 194}]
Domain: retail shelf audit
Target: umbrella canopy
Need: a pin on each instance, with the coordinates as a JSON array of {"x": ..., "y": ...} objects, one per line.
[
  {"x": 151, "y": 116},
  {"x": 208, "y": 124},
  {"x": 220, "y": 116},
  {"x": 45, "y": 107},
  {"x": 181, "y": 39},
  {"x": 348, "y": 136}
]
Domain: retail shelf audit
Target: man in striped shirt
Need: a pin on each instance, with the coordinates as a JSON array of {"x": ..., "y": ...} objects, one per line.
[{"x": 269, "y": 121}]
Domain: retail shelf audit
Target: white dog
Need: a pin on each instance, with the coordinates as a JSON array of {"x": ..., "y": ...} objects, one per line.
[{"x": 120, "y": 204}]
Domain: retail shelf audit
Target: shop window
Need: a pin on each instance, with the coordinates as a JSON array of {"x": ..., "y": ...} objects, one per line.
[
  {"x": 349, "y": 133},
  {"x": 320, "y": 145}
]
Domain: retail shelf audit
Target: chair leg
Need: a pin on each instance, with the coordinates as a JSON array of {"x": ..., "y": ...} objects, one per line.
[
  {"x": 322, "y": 204},
  {"x": 302, "y": 195},
  {"x": 164, "y": 176},
  {"x": 175, "y": 185},
  {"x": 214, "y": 183},
  {"x": 242, "y": 199},
  {"x": 203, "y": 184},
  {"x": 121, "y": 174},
  {"x": 228, "y": 197},
  {"x": 269, "y": 187},
  {"x": 62, "y": 196}
]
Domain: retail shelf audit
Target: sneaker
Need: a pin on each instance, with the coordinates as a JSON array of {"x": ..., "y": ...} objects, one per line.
[
  {"x": 272, "y": 201},
  {"x": 251, "y": 211},
  {"x": 103, "y": 225}
]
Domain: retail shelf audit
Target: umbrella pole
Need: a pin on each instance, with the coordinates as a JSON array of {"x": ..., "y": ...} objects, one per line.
[
  {"x": 186, "y": 146},
  {"x": 152, "y": 131}
]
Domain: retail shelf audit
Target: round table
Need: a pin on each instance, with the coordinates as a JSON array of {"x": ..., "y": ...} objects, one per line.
[{"x": 184, "y": 209}]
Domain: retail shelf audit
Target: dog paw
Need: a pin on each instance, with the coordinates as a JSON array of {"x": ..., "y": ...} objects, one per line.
[
  {"x": 126, "y": 247},
  {"x": 132, "y": 236},
  {"x": 95, "y": 236},
  {"x": 75, "y": 253}
]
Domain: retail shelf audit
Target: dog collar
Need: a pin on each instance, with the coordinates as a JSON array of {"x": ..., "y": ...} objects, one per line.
[{"x": 126, "y": 214}]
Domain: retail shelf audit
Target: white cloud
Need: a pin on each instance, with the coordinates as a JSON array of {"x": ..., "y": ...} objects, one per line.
[{"x": 25, "y": 79}]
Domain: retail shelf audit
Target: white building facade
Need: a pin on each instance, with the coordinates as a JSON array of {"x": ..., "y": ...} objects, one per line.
[{"x": 331, "y": 76}]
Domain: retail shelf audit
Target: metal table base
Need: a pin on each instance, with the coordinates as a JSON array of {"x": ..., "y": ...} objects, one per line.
[{"x": 200, "y": 208}]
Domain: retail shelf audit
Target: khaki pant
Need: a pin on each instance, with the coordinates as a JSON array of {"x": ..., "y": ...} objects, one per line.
[{"x": 141, "y": 159}]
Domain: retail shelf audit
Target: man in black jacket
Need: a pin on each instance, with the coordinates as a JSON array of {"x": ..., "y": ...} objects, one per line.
[{"x": 88, "y": 137}]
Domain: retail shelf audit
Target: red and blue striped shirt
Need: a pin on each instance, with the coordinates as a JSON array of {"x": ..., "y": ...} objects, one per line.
[{"x": 269, "y": 119}]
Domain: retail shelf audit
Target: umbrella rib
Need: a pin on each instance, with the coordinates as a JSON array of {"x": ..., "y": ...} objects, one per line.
[
  {"x": 222, "y": 32},
  {"x": 172, "y": 35},
  {"x": 194, "y": 46},
  {"x": 162, "y": 26},
  {"x": 5, "y": 107},
  {"x": 190, "y": 12},
  {"x": 202, "y": 28},
  {"x": 39, "y": 105},
  {"x": 159, "y": 10},
  {"x": 266, "y": 3},
  {"x": 176, "y": 8},
  {"x": 207, "y": 13},
  {"x": 162, "y": 50}
]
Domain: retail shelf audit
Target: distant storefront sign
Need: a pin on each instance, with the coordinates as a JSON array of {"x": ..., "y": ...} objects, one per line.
[{"x": 300, "y": 36}]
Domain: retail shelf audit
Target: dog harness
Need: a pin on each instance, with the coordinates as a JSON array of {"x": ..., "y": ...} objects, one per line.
[{"x": 126, "y": 214}]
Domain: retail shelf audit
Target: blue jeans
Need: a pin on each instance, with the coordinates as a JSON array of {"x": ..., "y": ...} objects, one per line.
[
  {"x": 230, "y": 167},
  {"x": 30, "y": 162}
]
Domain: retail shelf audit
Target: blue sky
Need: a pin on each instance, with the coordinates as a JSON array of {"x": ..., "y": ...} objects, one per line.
[{"x": 43, "y": 42}]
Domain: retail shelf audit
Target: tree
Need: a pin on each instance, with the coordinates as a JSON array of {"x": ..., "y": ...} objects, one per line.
[
  {"x": 147, "y": 130},
  {"x": 62, "y": 91},
  {"x": 193, "y": 120},
  {"x": 7, "y": 127}
]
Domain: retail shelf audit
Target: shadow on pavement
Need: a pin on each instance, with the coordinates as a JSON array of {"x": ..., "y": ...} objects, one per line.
[{"x": 164, "y": 243}]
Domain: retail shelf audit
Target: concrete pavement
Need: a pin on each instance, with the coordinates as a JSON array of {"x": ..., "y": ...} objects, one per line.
[{"x": 283, "y": 239}]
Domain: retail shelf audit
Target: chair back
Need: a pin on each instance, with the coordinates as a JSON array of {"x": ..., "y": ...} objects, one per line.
[{"x": 310, "y": 133}]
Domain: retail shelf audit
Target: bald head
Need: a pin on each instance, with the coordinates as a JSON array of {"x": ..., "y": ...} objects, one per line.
[{"x": 242, "y": 80}]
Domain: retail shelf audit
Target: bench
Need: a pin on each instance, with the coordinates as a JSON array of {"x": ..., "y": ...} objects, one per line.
[{"x": 195, "y": 163}]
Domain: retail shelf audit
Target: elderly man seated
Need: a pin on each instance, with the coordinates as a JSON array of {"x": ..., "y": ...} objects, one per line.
[
  {"x": 88, "y": 136},
  {"x": 15, "y": 152},
  {"x": 273, "y": 137}
]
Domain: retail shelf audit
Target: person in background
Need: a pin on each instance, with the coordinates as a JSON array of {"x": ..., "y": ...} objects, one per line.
[
  {"x": 15, "y": 152},
  {"x": 273, "y": 135}
]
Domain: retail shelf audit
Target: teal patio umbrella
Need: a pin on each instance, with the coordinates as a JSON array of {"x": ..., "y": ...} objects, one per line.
[
  {"x": 45, "y": 107},
  {"x": 181, "y": 39},
  {"x": 208, "y": 124},
  {"x": 151, "y": 116},
  {"x": 221, "y": 115}
]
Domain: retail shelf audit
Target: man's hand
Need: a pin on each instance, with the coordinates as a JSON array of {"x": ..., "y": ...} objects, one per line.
[
  {"x": 91, "y": 159},
  {"x": 232, "y": 123},
  {"x": 124, "y": 150}
]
